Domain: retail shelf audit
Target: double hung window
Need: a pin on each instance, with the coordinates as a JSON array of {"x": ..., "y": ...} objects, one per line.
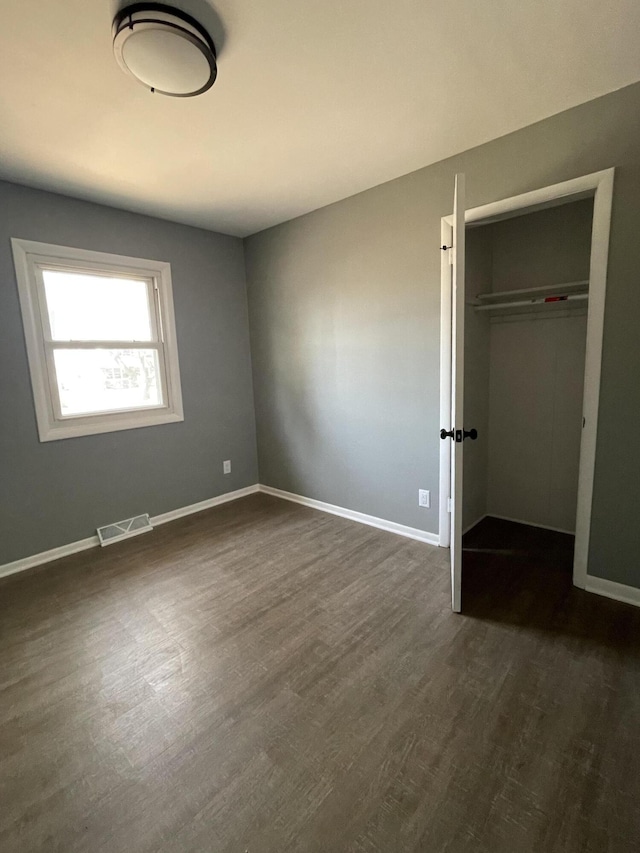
[{"x": 101, "y": 340}]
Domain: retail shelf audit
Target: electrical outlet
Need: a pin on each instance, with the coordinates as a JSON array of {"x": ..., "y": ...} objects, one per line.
[
  {"x": 424, "y": 498},
  {"x": 226, "y": 466}
]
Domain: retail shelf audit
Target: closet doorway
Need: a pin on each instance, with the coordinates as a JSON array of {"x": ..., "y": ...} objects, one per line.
[{"x": 523, "y": 288}]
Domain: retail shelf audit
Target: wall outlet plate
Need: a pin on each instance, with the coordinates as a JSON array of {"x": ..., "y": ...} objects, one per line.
[
  {"x": 424, "y": 498},
  {"x": 226, "y": 466}
]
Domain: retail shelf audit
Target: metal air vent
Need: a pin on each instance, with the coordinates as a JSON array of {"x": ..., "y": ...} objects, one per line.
[{"x": 124, "y": 529}]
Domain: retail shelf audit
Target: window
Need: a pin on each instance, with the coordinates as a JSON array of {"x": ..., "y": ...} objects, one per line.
[{"x": 101, "y": 340}]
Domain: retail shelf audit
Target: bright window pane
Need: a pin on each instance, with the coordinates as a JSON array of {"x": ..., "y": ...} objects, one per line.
[
  {"x": 107, "y": 380},
  {"x": 85, "y": 307}
]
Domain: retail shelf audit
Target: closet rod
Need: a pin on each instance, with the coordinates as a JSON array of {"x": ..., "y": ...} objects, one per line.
[{"x": 541, "y": 300}]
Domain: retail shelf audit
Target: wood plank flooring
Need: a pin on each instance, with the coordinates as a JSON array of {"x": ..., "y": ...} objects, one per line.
[{"x": 263, "y": 677}]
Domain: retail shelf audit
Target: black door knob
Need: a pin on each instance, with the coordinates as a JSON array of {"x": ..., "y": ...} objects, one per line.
[
  {"x": 470, "y": 433},
  {"x": 444, "y": 434}
]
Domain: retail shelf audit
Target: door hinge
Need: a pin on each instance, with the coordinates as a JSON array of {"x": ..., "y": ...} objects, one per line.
[{"x": 449, "y": 505}]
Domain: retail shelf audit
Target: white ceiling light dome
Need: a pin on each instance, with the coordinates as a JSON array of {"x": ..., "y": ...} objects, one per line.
[{"x": 165, "y": 49}]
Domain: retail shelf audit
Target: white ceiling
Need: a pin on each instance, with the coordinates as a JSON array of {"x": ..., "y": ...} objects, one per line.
[{"x": 315, "y": 99}]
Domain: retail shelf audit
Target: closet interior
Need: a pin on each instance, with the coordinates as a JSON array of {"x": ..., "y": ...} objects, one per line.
[{"x": 527, "y": 292}]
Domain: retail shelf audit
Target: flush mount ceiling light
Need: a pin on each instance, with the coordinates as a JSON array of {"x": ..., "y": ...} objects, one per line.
[{"x": 165, "y": 49}]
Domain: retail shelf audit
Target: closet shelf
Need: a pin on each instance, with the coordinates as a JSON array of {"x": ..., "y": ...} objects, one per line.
[
  {"x": 550, "y": 294},
  {"x": 568, "y": 287}
]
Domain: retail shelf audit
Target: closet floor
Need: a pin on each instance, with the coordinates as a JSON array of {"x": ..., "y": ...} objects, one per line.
[{"x": 516, "y": 572}]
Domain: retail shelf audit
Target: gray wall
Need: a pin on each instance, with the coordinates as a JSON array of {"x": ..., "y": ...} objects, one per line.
[
  {"x": 535, "y": 417},
  {"x": 57, "y": 492},
  {"x": 546, "y": 247},
  {"x": 344, "y": 308},
  {"x": 536, "y": 368}
]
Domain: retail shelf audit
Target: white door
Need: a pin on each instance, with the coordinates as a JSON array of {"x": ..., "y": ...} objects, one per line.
[{"x": 457, "y": 389}]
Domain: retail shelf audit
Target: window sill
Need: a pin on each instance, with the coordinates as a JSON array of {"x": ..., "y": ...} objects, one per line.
[{"x": 110, "y": 423}]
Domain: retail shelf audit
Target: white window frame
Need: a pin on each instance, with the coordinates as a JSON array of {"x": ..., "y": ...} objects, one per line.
[{"x": 29, "y": 259}]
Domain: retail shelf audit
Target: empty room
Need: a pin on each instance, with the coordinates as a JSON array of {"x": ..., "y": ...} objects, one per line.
[{"x": 319, "y": 479}]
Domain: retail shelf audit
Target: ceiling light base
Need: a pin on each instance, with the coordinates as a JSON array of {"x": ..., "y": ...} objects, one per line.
[{"x": 165, "y": 49}]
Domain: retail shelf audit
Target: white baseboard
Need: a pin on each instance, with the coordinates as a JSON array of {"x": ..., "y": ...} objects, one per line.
[
  {"x": 93, "y": 541},
  {"x": 530, "y": 523},
  {"x": 210, "y": 502},
  {"x": 611, "y": 589},
  {"x": 352, "y": 515},
  {"x": 48, "y": 556}
]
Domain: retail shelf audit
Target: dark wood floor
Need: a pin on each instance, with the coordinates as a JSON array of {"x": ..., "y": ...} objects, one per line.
[{"x": 263, "y": 677}]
